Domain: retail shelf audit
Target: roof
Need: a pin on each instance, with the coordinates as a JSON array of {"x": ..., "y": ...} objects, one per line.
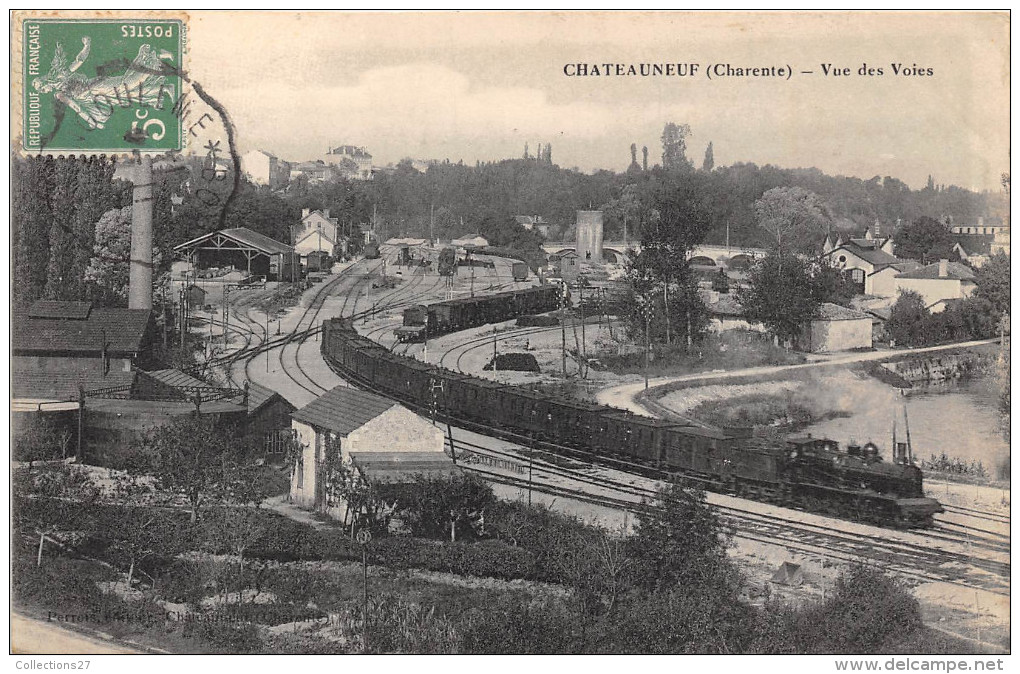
[
  {"x": 124, "y": 331},
  {"x": 244, "y": 237},
  {"x": 396, "y": 467},
  {"x": 954, "y": 271},
  {"x": 901, "y": 266},
  {"x": 833, "y": 312},
  {"x": 175, "y": 378},
  {"x": 975, "y": 244},
  {"x": 56, "y": 309},
  {"x": 259, "y": 395},
  {"x": 31, "y": 383},
  {"x": 874, "y": 256},
  {"x": 320, "y": 213},
  {"x": 343, "y": 410}
]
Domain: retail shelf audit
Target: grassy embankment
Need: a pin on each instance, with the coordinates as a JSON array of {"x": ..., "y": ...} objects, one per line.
[
  {"x": 730, "y": 350},
  {"x": 533, "y": 581}
]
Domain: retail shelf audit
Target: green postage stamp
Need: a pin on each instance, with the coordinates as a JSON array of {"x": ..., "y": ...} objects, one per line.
[{"x": 101, "y": 85}]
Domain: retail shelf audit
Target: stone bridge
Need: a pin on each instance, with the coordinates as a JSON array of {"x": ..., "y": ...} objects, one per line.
[{"x": 617, "y": 251}]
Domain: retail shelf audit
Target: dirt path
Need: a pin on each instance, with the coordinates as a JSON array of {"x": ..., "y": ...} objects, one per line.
[{"x": 625, "y": 395}]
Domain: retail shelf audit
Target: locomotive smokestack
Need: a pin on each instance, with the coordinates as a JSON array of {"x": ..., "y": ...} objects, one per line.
[{"x": 140, "y": 273}]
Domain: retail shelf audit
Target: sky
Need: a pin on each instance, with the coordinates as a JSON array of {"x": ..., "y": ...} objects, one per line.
[{"x": 478, "y": 86}]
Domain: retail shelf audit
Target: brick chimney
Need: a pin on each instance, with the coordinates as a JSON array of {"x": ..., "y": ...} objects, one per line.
[
  {"x": 325, "y": 213},
  {"x": 943, "y": 268},
  {"x": 305, "y": 212}
]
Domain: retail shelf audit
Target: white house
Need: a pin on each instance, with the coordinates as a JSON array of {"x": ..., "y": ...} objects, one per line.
[
  {"x": 943, "y": 280},
  {"x": 263, "y": 168},
  {"x": 317, "y": 232},
  {"x": 357, "y": 423},
  {"x": 350, "y": 161},
  {"x": 836, "y": 329},
  {"x": 862, "y": 258}
]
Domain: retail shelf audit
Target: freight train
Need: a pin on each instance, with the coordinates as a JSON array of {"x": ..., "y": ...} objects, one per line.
[
  {"x": 441, "y": 318},
  {"x": 810, "y": 473}
]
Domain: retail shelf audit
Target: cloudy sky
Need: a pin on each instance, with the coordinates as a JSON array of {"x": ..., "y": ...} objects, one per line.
[{"x": 480, "y": 86}]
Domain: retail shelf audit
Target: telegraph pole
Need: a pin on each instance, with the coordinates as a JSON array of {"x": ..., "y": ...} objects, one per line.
[
  {"x": 584, "y": 341},
  {"x": 563, "y": 329},
  {"x": 267, "y": 339}
]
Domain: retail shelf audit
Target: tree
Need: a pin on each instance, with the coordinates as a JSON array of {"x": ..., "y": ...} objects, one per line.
[
  {"x": 676, "y": 222},
  {"x": 924, "y": 239},
  {"x": 833, "y": 285},
  {"x": 709, "y": 163},
  {"x": 781, "y": 295},
  {"x": 634, "y": 166},
  {"x": 108, "y": 270},
  {"x": 992, "y": 281},
  {"x": 445, "y": 506},
  {"x": 794, "y": 217},
  {"x": 237, "y": 529},
  {"x": 31, "y": 217},
  {"x": 674, "y": 147},
  {"x": 680, "y": 544},
  {"x": 907, "y": 319},
  {"x": 198, "y": 458}
]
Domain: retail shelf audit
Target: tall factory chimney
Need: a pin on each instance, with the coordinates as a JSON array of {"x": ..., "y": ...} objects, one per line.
[{"x": 140, "y": 274}]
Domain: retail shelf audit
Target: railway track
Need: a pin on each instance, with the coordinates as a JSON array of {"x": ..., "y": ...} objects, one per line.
[{"x": 912, "y": 558}]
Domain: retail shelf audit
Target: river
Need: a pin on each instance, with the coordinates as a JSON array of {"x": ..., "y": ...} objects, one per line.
[{"x": 960, "y": 419}]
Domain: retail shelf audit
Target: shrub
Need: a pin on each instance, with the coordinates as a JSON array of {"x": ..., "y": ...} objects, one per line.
[
  {"x": 867, "y": 612},
  {"x": 431, "y": 504}
]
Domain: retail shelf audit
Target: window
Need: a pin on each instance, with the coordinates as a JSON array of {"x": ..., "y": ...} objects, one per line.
[
  {"x": 300, "y": 468},
  {"x": 842, "y": 258}
]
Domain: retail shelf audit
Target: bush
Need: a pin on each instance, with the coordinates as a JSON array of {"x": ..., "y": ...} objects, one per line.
[
  {"x": 868, "y": 612},
  {"x": 430, "y": 504}
]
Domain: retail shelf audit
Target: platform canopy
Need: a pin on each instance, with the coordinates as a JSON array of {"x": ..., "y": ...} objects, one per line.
[{"x": 238, "y": 240}]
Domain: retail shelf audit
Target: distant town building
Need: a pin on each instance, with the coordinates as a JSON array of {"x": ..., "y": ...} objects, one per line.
[
  {"x": 314, "y": 171},
  {"x": 317, "y": 232},
  {"x": 263, "y": 168},
  {"x": 533, "y": 223},
  {"x": 565, "y": 265},
  {"x": 836, "y": 329},
  {"x": 943, "y": 280},
  {"x": 350, "y": 161},
  {"x": 866, "y": 260},
  {"x": 990, "y": 227}
]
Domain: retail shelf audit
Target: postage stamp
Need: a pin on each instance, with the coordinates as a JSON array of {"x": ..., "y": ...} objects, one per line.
[{"x": 101, "y": 85}]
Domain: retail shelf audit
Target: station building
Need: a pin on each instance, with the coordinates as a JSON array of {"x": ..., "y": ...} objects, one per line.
[{"x": 383, "y": 441}]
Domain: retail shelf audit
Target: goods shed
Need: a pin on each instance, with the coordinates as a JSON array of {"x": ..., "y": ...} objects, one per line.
[{"x": 244, "y": 249}]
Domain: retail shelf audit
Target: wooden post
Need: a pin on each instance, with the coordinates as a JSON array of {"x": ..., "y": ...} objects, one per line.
[{"x": 81, "y": 424}]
